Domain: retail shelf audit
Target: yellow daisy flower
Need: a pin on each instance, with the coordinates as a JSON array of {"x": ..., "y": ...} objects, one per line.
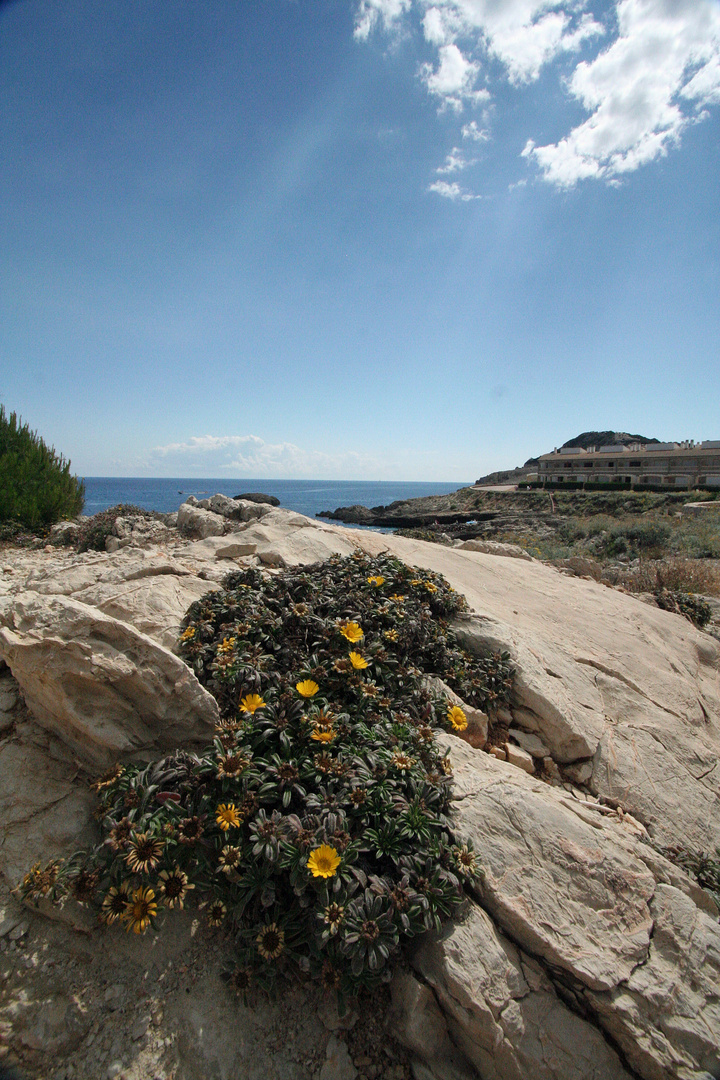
[
  {"x": 324, "y": 735},
  {"x": 352, "y": 631},
  {"x": 251, "y": 703},
  {"x": 189, "y": 634},
  {"x": 140, "y": 909},
  {"x": 270, "y": 941},
  {"x": 457, "y": 717},
  {"x": 307, "y": 688},
  {"x": 323, "y": 861},
  {"x": 174, "y": 886},
  {"x": 227, "y": 816},
  {"x": 377, "y": 580},
  {"x": 358, "y": 662}
]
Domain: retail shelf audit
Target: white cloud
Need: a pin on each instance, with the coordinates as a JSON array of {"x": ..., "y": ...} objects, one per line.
[
  {"x": 455, "y": 162},
  {"x": 451, "y": 191},
  {"x": 472, "y": 131},
  {"x": 659, "y": 72},
  {"x": 249, "y": 455},
  {"x": 666, "y": 51},
  {"x": 454, "y": 78},
  {"x": 372, "y": 12}
]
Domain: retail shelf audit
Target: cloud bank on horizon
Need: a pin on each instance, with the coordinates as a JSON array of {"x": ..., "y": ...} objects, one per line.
[
  {"x": 250, "y": 455},
  {"x": 648, "y": 69}
]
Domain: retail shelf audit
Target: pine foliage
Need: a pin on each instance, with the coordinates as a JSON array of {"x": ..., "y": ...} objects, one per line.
[{"x": 36, "y": 486}]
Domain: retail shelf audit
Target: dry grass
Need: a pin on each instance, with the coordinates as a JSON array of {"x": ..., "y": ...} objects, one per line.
[{"x": 698, "y": 576}]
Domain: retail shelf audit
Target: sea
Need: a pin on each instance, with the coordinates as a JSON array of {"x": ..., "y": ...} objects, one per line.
[{"x": 307, "y": 497}]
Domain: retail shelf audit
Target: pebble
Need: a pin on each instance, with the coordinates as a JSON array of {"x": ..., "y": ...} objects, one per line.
[
  {"x": 114, "y": 1070},
  {"x": 19, "y": 931}
]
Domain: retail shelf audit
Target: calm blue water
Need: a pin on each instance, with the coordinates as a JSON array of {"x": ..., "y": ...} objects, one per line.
[{"x": 304, "y": 496}]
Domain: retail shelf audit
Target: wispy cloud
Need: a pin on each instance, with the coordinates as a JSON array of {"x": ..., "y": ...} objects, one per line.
[
  {"x": 455, "y": 162},
  {"x": 656, "y": 70},
  {"x": 451, "y": 191}
]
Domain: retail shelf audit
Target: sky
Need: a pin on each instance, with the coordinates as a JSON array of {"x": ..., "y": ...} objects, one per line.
[{"x": 357, "y": 239}]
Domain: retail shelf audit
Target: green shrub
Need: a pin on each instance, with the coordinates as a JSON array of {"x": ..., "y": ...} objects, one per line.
[
  {"x": 316, "y": 827},
  {"x": 36, "y": 486},
  {"x": 93, "y": 533},
  {"x": 692, "y": 607}
]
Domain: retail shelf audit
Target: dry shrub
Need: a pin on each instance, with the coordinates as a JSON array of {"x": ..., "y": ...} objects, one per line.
[{"x": 679, "y": 575}]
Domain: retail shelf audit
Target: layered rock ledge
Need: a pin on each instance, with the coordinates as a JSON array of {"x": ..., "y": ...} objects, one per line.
[{"x": 584, "y": 952}]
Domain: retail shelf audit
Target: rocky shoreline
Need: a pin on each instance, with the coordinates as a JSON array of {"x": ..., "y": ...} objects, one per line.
[{"x": 585, "y": 952}]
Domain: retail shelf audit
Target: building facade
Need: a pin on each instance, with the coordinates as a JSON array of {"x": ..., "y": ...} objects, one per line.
[{"x": 672, "y": 465}]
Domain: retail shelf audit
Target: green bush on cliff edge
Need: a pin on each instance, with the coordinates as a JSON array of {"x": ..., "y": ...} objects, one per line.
[{"x": 36, "y": 486}]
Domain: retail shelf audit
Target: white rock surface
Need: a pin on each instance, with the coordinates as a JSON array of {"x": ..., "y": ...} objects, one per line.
[
  {"x": 585, "y": 939},
  {"x": 107, "y": 690},
  {"x": 494, "y": 547},
  {"x": 569, "y": 886}
]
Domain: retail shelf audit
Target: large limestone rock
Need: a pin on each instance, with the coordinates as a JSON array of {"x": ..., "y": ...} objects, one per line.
[
  {"x": 585, "y": 953},
  {"x": 603, "y": 678},
  {"x": 106, "y": 689},
  {"x": 635, "y": 955}
]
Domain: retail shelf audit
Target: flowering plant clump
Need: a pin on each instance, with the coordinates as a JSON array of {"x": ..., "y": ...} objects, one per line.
[{"x": 315, "y": 828}]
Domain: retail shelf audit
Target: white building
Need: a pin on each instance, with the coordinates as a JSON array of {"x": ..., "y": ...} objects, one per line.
[{"x": 673, "y": 465}]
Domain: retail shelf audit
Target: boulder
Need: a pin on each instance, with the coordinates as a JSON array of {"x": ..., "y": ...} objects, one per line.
[
  {"x": 107, "y": 690},
  {"x": 565, "y": 883},
  {"x": 193, "y": 521},
  {"x": 502, "y": 1011},
  {"x": 258, "y": 497},
  {"x": 149, "y": 590},
  {"x": 236, "y": 509}
]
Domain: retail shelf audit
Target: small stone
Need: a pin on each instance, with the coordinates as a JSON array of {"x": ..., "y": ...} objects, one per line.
[
  {"x": 550, "y": 769},
  {"x": 519, "y": 757},
  {"x": 114, "y": 1070},
  {"x": 498, "y": 752},
  {"x": 139, "y": 1028},
  {"x": 8, "y": 923},
  {"x": 338, "y": 1063},
  {"x": 579, "y": 772},
  {"x": 19, "y": 931},
  {"x": 529, "y": 742}
]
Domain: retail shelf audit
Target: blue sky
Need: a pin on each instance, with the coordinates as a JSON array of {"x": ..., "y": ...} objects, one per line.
[{"x": 375, "y": 239}]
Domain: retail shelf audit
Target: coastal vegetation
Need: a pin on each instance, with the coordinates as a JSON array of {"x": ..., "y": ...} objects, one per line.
[
  {"x": 315, "y": 828},
  {"x": 37, "y": 488}
]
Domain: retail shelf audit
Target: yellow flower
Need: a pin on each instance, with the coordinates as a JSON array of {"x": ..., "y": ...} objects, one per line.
[
  {"x": 323, "y": 735},
  {"x": 227, "y": 816},
  {"x": 358, "y": 662},
  {"x": 144, "y": 852},
  {"x": 416, "y": 581},
  {"x": 377, "y": 580},
  {"x": 307, "y": 688},
  {"x": 457, "y": 718},
  {"x": 115, "y": 904},
  {"x": 216, "y": 912},
  {"x": 430, "y": 587},
  {"x": 174, "y": 886},
  {"x": 352, "y": 631},
  {"x": 251, "y": 703},
  {"x": 323, "y": 861},
  {"x": 402, "y": 761},
  {"x": 189, "y": 634},
  {"x": 270, "y": 941},
  {"x": 140, "y": 909},
  {"x": 398, "y": 598},
  {"x": 226, "y": 646},
  {"x": 391, "y": 635}
]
